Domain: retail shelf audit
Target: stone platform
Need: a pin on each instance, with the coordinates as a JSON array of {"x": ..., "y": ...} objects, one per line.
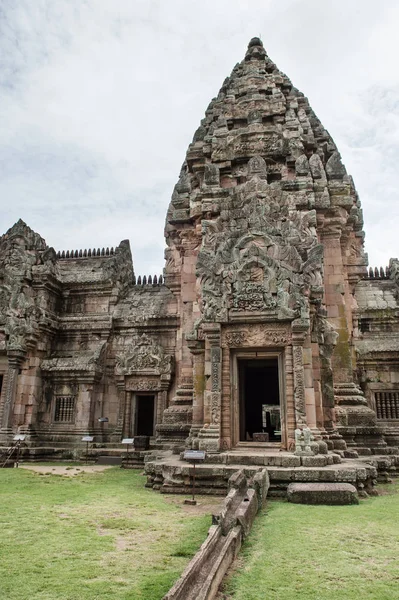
[
  {"x": 167, "y": 473},
  {"x": 134, "y": 459}
]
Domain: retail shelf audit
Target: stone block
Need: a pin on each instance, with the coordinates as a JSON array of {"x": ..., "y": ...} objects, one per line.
[
  {"x": 290, "y": 461},
  {"x": 322, "y": 493},
  {"x": 272, "y": 461},
  {"x": 310, "y": 474},
  {"x": 237, "y": 459},
  {"x": 281, "y": 474},
  {"x": 261, "y": 484},
  {"x": 314, "y": 461}
]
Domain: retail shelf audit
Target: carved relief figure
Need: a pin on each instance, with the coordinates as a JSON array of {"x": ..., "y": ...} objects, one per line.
[{"x": 144, "y": 355}]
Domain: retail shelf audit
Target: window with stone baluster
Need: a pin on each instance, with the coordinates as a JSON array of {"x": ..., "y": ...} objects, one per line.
[
  {"x": 64, "y": 410},
  {"x": 387, "y": 404}
]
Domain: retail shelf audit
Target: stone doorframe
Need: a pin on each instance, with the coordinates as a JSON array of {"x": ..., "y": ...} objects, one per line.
[
  {"x": 128, "y": 387},
  {"x": 134, "y": 409},
  {"x": 253, "y": 354},
  {"x": 273, "y": 339}
]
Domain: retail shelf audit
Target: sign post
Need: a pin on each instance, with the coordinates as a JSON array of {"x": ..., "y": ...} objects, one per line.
[
  {"x": 128, "y": 442},
  {"x": 18, "y": 439},
  {"x": 195, "y": 457},
  {"x": 88, "y": 439}
]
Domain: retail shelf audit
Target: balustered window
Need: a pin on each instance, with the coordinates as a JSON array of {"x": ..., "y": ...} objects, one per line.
[
  {"x": 64, "y": 409},
  {"x": 387, "y": 405}
]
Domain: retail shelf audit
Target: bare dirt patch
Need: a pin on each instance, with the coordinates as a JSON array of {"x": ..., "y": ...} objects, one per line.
[
  {"x": 65, "y": 469},
  {"x": 205, "y": 504}
]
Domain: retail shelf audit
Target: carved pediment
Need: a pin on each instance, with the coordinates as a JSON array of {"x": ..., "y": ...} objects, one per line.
[
  {"x": 259, "y": 255},
  {"x": 145, "y": 355},
  {"x": 90, "y": 362}
]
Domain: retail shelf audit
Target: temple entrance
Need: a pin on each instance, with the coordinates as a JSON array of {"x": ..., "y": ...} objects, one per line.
[
  {"x": 259, "y": 400},
  {"x": 144, "y": 422}
]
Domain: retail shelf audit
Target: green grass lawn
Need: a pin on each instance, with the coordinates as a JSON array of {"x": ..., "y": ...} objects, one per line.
[
  {"x": 94, "y": 536},
  {"x": 298, "y": 552}
]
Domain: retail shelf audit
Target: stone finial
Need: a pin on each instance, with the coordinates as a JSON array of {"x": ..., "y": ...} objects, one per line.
[
  {"x": 302, "y": 165},
  {"x": 212, "y": 176},
  {"x": 316, "y": 167},
  {"x": 199, "y": 134},
  {"x": 257, "y": 167},
  {"x": 255, "y": 49},
  {"x": 254, "y": 116},
  {"x": 334, "y": 167},
  {"x": 255, "y": 41}
]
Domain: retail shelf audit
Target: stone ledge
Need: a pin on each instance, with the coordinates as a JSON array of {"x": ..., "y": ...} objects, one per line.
[{"x": 322, "y": 493}]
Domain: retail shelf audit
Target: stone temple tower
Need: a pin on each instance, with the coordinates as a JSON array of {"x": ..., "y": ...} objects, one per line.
[
  {"x": 264, "y": 250},
  {"x": 266, "y": 319}
]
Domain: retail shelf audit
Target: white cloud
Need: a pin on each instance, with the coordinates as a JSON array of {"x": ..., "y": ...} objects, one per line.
[{"x": 99, "y": 100}]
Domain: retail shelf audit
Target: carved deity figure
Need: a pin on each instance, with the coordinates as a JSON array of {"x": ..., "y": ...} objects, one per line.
[{"x": 303, "y": 439}]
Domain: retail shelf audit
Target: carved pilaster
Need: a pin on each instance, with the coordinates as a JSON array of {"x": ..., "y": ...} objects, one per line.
[
  {"x": 299, "y": 331},
  {"x": 299, "y": 385},
  {"x": 209, "y": 436},
  {"x": 161, "y": 403},
  {"x": 197, "y": 348},
  {"x": 117, "y": 433},
  {"x": 15, "y": 360},
  {"x": 127, "y": 422}
]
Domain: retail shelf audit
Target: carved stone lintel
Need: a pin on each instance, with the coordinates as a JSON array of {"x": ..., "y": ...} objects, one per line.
[
  {"x": 257, "y": 335},
  {"x": 236, "y": 338},
  {"x": 143, "y": 385}
]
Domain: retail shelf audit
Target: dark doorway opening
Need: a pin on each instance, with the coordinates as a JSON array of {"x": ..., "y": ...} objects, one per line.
[
  {"x": 145, "y": 415},
  {"x": 259, "y": 400}
]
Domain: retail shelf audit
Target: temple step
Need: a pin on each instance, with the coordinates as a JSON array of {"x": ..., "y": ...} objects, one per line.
[{"x": 322, "y": 493}]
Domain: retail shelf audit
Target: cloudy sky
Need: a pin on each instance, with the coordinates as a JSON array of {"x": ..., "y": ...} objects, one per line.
[{"x": 99, "y": 100}]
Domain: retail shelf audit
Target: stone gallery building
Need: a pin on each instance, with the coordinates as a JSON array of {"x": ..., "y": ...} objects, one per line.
[{"x": 266, "y": 318}]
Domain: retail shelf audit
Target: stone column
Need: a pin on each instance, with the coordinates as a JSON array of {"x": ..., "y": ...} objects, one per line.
[
  {"x": 162, "y": 400},
  {"x": 209, "y": 436},
  {"x": 198, "y": 351},
  {"x": 84, "y": 412},
  {"x": 127, "y": 421},
  {"x": 352, "y": 414},
  {"x": 117, "y": 433},
  {"x": 15, "y": 360}
]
